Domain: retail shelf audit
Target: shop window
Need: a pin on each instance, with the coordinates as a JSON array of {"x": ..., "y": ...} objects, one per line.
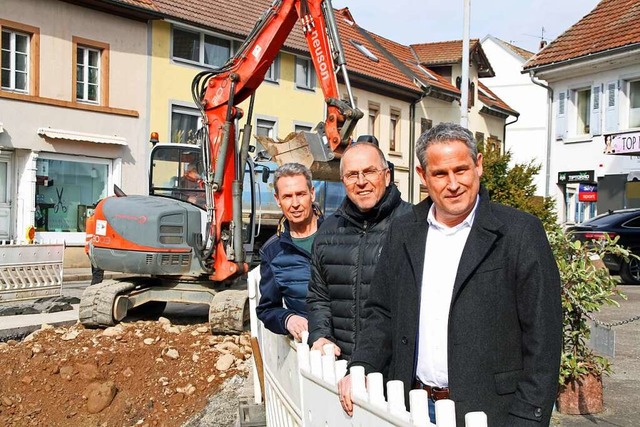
[
  {"x": 67, "y": 192},
  {"x": 20, "y": 57},
  {"x": 305, "y": 75},
  {"x": 185, "y": 123}
]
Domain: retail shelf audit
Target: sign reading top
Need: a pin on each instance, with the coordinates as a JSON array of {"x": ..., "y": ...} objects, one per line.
[
  {"x": 576, "y": 176},
  {"x": 622, "y": 143}
]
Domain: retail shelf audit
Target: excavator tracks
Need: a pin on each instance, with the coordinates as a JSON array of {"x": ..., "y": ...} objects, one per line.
[{"x": 97, "y": 303}]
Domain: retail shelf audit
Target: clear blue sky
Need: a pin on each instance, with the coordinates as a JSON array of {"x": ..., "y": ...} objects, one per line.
[{"x": 517, "y": 21}]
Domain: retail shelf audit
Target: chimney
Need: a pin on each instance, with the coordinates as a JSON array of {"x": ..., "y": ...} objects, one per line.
[{"x": 543, "y": 44}]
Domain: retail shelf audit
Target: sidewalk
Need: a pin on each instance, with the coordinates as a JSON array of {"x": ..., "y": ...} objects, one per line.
[{"x": 84, "y": 274}]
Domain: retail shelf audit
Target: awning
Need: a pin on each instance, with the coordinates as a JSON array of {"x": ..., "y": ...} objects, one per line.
[{"x": 81, "y": 136}]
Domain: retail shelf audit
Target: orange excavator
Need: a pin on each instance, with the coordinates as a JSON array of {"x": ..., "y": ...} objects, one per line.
[{"x": 185, "y": 241}]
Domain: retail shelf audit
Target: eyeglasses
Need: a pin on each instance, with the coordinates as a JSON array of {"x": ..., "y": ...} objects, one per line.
[{"x": 367, "y": 175}]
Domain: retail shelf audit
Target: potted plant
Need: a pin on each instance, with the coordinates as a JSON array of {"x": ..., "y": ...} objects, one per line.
[{"x": 586, "y": 286}]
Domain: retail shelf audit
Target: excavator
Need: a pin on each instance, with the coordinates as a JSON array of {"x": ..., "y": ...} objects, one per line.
[{"x": 185, "y": 241}]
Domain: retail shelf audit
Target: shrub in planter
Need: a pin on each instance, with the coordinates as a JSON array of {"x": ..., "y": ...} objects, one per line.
[{"x": 586, "y": 287}]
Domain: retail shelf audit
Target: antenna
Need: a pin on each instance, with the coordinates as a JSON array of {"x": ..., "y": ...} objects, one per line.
[{"x": 541, "y": 36}]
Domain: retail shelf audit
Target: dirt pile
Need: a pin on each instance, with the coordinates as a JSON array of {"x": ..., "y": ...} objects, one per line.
[{"x": 146, "y": 373}]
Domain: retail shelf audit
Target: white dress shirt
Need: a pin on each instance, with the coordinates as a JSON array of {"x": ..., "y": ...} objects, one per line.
[{"x": 442, "y": 255}]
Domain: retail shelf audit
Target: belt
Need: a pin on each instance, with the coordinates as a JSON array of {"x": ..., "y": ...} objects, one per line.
[{"x": 435, "y": 393}]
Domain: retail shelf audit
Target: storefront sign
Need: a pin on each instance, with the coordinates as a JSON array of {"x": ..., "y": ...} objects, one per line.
[
  {"x": 576, "y": 176},
  {"x": 622, "y": 143},
  {"x": 588, "y": 193}
]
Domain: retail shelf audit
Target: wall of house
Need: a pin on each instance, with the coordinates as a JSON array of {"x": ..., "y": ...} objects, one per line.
[
  {"x": 526, "y": 138},
  {"x": 572, "y": 151},
  {"x": 124, "y": 116}
]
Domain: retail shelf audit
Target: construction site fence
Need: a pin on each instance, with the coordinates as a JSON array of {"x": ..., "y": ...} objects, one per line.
[{"x": 30, "y": 270}]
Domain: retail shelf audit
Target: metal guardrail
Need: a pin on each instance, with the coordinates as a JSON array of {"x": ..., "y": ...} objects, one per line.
[{"x": 29, "y": 271}]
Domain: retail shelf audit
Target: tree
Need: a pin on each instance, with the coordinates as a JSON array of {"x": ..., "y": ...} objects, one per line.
[{"x": 513, "y": 186}]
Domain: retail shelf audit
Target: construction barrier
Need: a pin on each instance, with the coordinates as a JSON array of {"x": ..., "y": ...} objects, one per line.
[
  {"x": 300, "y": 387},
  {"x": 29, "y": 271}
]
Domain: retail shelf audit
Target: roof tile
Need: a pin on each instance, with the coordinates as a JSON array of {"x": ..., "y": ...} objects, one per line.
[{"x": 611, "y": 24}]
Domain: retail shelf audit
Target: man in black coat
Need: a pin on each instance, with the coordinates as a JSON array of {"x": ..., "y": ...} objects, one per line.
[
  {"x": 466, "y": 297},
  {"x": 347, "y": 246}
]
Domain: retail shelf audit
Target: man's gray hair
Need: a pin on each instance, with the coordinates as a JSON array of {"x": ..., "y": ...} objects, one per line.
[
  {"x": 292, "y": 169},
  {"x": 383, "y": 161},
  {"x": 445, "y": 133}
]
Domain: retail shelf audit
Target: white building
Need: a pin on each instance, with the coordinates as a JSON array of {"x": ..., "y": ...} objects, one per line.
[
  {"x": 595, "y": 78},
  {"x": 527, "y": 137}
]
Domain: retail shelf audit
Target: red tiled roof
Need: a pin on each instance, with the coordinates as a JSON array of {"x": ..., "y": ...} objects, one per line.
[
  {"x": 406, "y": 56},
  {"x": 357, "y": 62},
  {"x": 436, "y": 53},
  {"x": 492, "y": 100},
  {"x": 523, "y": 53},
  {"x": 611, "y": 24}
]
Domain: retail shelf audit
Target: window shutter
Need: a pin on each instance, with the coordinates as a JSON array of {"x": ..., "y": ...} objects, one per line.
[
  {"x": 561, "y": 115},
  {"x": 611, "y": 107},
  {"x": 596, "y": 111}
]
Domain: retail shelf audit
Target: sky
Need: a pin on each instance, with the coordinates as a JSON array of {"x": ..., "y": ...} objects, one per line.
[{"x": 519, "y": 22}]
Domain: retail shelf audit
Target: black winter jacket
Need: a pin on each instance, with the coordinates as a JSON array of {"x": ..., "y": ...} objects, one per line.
[{"x": 345, "y": 253}]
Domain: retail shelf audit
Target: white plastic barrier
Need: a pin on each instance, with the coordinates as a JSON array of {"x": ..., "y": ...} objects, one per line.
[
  {"x": 29, "y": 271},
  {"x": 300, "y": 388}
]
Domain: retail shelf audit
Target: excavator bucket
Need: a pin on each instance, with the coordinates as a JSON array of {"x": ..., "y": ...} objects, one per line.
[{"x": 306, "y": 148}]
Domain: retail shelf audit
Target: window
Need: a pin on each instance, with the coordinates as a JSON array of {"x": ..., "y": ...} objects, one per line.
[
  {"x": 87, "y": 74},
  {"x": 480, "y": 140},
  {"x": 366, "y": 52},
  {"x": 425, "y": 125},
  {"x": 264, "y": 127},
  {"x": 374, "y": 113},
  {"x": 15, "y": 61},
  {"x": 185, "y": 123},
  {"x": 203, "y": 49},
  {"x": 67, "y": 191},
  {"x": 305, "y": 75},
  {"x": 634, "y": 104},
  {"x": 583, "y": 114},
  {"x": 91, "y": 77},
  {"x": 302, "y": 128},
  {"x": 394, "y": 130},
  {"x": 273, "y": 73},
  {"x": 20, "y": 57}
]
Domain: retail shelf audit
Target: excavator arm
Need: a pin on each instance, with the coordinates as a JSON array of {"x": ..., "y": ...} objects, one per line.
[{"x": 218, "y": 93}]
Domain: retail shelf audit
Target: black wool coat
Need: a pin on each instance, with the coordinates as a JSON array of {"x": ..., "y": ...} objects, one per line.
[{"x": 505, "y": 320}]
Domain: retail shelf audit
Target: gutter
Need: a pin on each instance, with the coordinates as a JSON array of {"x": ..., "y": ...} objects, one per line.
[
  {"x": 547, "y": 178},
  {"x": 605, "y": 54}
]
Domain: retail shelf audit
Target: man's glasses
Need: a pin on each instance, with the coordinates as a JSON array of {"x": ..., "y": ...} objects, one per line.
[{"x": 367, "y": 175}]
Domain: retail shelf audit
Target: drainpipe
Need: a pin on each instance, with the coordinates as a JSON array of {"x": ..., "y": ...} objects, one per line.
[
  {"x": 504, "y": 134},
  {"x": 547, "y": 180},
  {"x": 412, "y": 141}
]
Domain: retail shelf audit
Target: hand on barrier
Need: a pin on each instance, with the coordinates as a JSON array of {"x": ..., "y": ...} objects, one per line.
[
  {"x": 320, "y": 343},
  {"x": 296, "y": 325},
  {"x": 344, "y": 391}
]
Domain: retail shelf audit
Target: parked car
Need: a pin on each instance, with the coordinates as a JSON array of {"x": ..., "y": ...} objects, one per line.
[{"x": 624, "y": 223}]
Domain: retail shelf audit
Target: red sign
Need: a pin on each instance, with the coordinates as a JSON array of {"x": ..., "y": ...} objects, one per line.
[{"x": 588, "y": 193}]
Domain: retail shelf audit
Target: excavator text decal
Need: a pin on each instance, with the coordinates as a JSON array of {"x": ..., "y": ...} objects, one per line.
[{"x": 320, "y": 55}]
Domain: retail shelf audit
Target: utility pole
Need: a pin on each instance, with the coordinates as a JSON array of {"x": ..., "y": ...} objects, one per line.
[{"x": 464, "y": 83}]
